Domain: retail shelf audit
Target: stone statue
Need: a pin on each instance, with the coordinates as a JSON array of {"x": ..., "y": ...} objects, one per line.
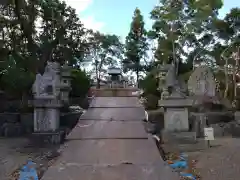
[
  {"x": 172, "y": 81},
  {"x": 47, "y": 84},
  {"x": 173, "y": 86}
]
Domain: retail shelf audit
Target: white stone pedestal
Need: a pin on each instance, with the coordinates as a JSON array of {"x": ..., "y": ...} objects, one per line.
[
  {"x": 176, "y": 119},
  {"x": 46, "y": 119}
]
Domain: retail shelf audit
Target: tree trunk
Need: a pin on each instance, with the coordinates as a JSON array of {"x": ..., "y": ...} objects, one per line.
[
  {"x": 99, "y": 69},
  {"x": 24, "y": 101},
  {"x": 97, "y": 75},
  {"x": 226, "y": 78},
  {"x": 26, "y": 25},
  {"x": 137, "y": 73},
  {"x": 235, "y": 72},
  {"x": 235, "y": 82},
  {"x": 98, "y": 83}
]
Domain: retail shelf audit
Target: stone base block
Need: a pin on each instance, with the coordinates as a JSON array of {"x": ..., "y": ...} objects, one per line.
[
  {"x": 179, "y": 148},
  {"x": 47, "y": 138},
  {"x": 179, "y": 137},
  {"x": 181, "y": 142}
]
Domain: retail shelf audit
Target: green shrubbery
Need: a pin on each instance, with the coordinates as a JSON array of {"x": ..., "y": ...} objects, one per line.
[
  {"x": 80, "y": 83},
  {"x": 151, "y": 93}
]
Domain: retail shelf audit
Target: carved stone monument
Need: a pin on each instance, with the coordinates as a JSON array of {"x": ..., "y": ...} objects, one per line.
[
  {"x": 48, "y": 99},
  {"x": 202, "y": 82},
  {"x": 202, "y": 90}
]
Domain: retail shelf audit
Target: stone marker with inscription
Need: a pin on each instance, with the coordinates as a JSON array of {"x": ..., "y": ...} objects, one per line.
[
  {"x": 202, "y": 82},
  {"x": 202, "y": 88}
]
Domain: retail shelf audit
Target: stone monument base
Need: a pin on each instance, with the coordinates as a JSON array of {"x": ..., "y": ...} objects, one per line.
[
  {"x": 181, "y": 142},
  {"x": 184, "y": 148},
  {"x": 47, "y": 138},
  {"x": 179, "y": 137}
]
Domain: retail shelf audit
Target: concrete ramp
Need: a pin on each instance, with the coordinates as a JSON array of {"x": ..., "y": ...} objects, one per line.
[
  {"x": 110, "y": 143},
  {"x": 115, "y": 102},
  {"x": 115, "y": 92},
  {"x": 114, "y": 114},
  {"x": 105, "y": 129}
]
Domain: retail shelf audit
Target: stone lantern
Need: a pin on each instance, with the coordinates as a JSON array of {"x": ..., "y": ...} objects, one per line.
[{"x": 65, "y": 83}]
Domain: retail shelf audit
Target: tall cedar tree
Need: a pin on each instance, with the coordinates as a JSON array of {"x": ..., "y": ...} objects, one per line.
[{"x": 136, "y": 44}]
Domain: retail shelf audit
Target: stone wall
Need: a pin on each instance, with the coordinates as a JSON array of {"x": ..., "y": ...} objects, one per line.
[
  {"x": 223, "y": 123},
  {"x": 16, "y": 105},
  {"x": 215, "y": 117},
  {"x": 16, "y": 124},
  {"x": 10, "y": 105},
  {"x": 237, "y": 116},
  {"x": 215, "y": 120}
]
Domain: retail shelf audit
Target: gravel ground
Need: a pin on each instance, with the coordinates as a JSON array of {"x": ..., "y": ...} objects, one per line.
[
  {"x": 14, "y": 152},
  {"x": 220, "y": 162}
]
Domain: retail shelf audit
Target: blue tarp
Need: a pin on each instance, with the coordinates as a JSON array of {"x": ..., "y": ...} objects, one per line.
[
  {"x": 28, "y": 172},
  {"x": 182, "y": 163}
]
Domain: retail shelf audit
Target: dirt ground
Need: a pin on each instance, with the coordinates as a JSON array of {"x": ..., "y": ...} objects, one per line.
[
  {"x": 14, "y": 152},
  {"x": 220, "y": 162}
]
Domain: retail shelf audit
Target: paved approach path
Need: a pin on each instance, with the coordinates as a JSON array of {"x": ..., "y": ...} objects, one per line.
[{"x": 110, "y": 143}]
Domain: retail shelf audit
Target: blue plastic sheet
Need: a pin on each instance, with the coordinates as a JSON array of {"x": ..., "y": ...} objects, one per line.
[
  {"x": 183, "y": 164},
  {"x": 179, "y": 164},
  {"x": 28, "y": 172}
]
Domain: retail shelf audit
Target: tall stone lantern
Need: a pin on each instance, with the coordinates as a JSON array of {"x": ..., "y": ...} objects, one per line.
[{"x": 65, "y": 87}]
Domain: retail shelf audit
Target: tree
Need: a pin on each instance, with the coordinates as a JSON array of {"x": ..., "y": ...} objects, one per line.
[
  {"x": 80, "y": 83},
  {"x": 136, "y": 44},
  {"x": 26, "y": 46},
  {"x": 59, "y": 37},
  {"x": 227, "y": 30},
  {"x": 16, "y": 81},
  {"x": 184, "y": 32},
  {"x": 183, "y": 29},
  {"x": 105, "y": 50}
]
